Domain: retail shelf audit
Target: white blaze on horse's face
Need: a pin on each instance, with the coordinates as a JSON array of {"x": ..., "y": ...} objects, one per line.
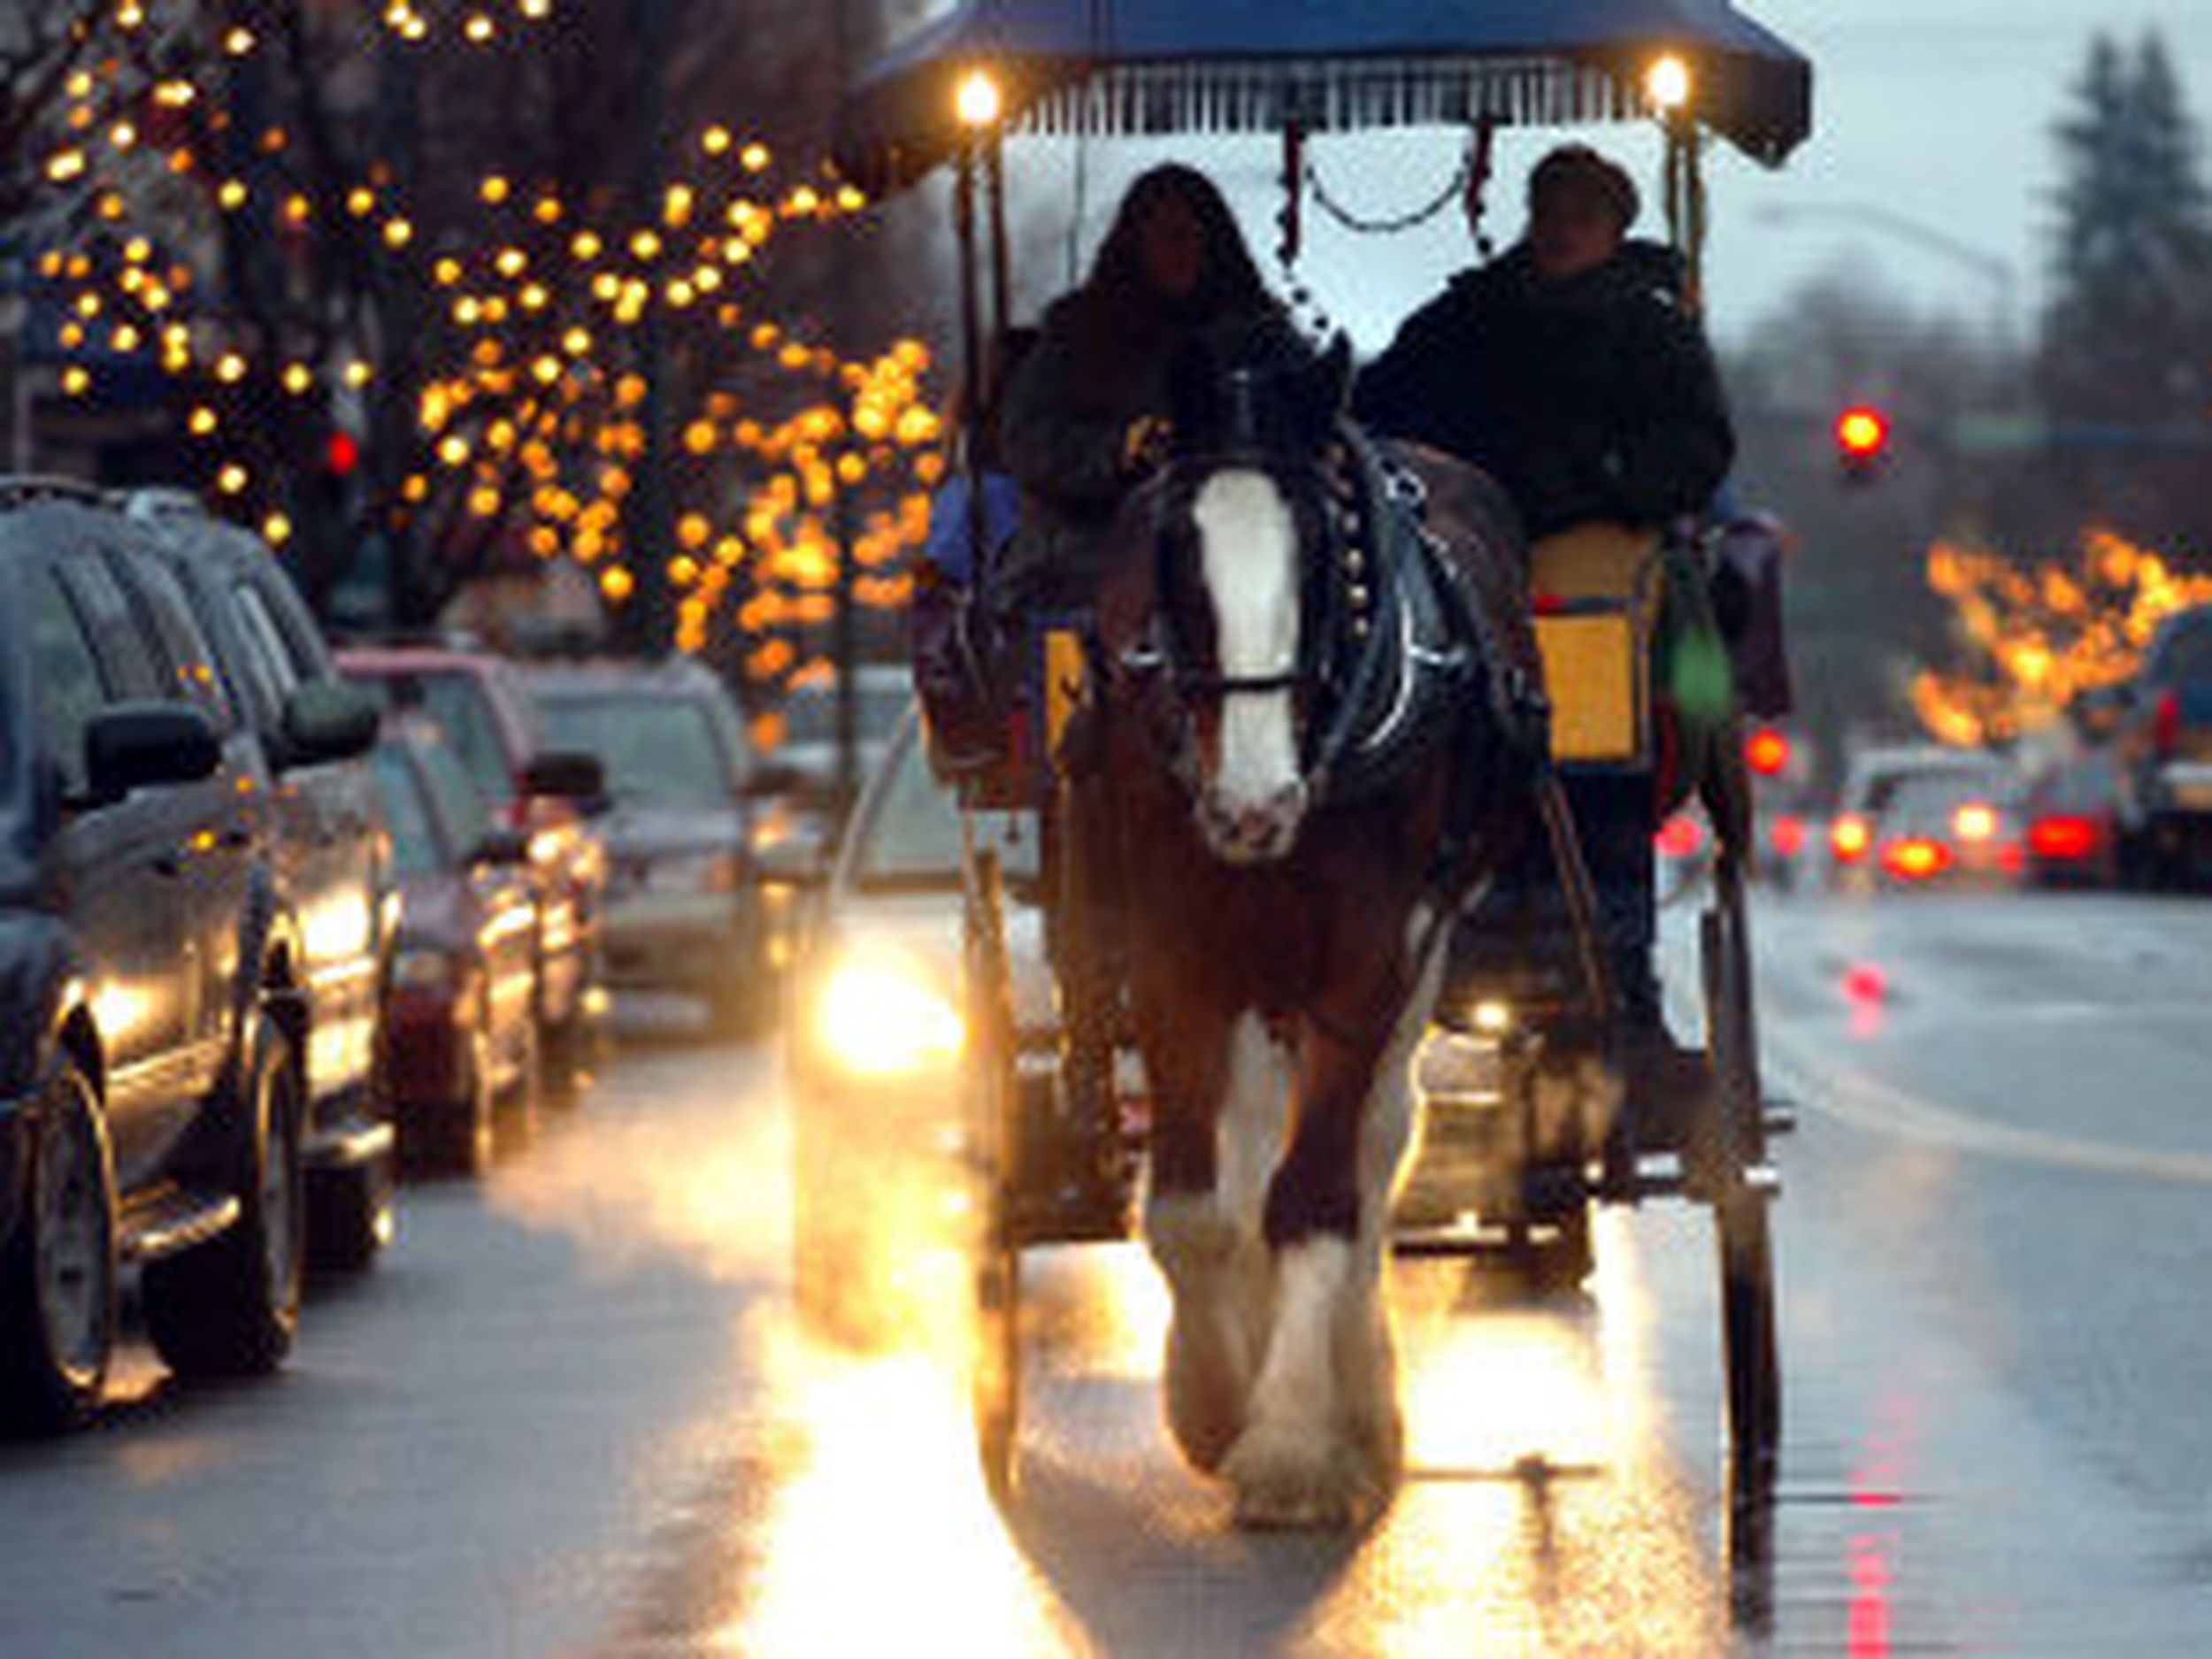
[{"x": 1252, "y": 798}]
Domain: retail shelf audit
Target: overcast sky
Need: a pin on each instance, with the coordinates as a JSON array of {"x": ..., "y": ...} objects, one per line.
[{"x": 1936, "y": 111}]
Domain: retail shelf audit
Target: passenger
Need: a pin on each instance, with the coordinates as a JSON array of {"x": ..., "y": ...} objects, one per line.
[
  {"x": 1569, "y": 368},
  {"x": 1572, "y": 369},
  {"x": 1086, "y": 414}
]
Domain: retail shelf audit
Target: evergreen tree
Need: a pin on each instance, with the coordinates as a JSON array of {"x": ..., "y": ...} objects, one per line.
[{"x": 2128, "y": 336}]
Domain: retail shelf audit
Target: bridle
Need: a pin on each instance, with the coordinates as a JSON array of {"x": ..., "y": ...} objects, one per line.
[{"x": 1163, "y": 687}]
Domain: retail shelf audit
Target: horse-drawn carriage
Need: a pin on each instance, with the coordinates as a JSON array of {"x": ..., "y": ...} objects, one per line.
[{"x": 1280, "y": 986}]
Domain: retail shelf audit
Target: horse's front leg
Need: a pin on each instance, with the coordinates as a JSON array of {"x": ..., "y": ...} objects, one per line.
[
  {"x": 1323, "y": 1446},
  {"x": 1221, "y": 1094}
]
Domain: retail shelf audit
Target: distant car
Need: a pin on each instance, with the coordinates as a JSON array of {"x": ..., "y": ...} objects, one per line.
[
  {"x": 480, "y": 703},
  {"x": 150, "y": 1103},
  {"x": 461, "y": 1032},
  {"x": 684, "y": 907},
  {"x": 309, "y": 735},
  {"x": 2160, "y": 730},
  {"x": 1952, "y": 830},
  {"x": 875, "y": 1034},
  {"x": 1872, "y": 778},
  {"x": 2074, "y": 837}
]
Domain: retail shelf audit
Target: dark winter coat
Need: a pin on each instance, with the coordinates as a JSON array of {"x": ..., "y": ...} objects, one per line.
[
  {"x": 1099, "y": 367},
  {"x": 1592, "y": 398}
]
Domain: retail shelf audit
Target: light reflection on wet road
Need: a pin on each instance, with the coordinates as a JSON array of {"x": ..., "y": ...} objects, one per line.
[{"x": 573, "y": 1414}]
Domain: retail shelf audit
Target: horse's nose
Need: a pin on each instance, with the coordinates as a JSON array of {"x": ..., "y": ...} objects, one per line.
[{"x": 1254, "y": 830}]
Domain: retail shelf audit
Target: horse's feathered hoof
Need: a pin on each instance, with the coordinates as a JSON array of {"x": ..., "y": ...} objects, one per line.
[{"x": 1288, "y": 1480}]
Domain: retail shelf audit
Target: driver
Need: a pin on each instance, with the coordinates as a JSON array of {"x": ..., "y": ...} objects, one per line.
[
  {"x": 1086, "y": 415},
  {"x": 1571, "y": 369}
]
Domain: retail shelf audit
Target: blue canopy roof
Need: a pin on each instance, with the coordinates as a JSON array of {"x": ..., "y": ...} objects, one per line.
[{"x": 1156, "y": 67}]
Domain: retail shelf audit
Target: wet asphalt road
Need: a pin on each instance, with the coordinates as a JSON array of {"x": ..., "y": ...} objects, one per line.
[{"x": 569, "y": 1414}]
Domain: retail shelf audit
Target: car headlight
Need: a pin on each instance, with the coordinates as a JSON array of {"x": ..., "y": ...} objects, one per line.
[
  {"x": 423, "y": 971},
  {"x": 877, "y": 1014}
]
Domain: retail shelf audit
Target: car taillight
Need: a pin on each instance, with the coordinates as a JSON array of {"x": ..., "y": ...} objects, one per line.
[
  {"x": 2063, "y": 837},
  {"x": 1786, "y": 835},
  {"x": 1850, "y": 837},
  {"x": 2166, "y": 724},
  {"x": 1915, "y": 858}
]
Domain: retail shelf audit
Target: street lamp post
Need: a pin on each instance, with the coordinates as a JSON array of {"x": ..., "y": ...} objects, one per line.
[{"x": 2003, "y": 280}]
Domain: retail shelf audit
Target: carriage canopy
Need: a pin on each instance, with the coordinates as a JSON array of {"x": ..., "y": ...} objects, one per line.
[{"x": 1127, "y": 67}]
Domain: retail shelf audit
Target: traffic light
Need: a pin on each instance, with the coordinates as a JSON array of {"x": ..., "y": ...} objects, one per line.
[
  {"x": 341, "y": 453},
  {"x": 1861, "y": 441}
]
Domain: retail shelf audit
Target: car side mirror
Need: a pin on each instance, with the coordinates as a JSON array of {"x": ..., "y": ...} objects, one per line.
[
  {"x": 565, "y": 774},
  {"x": 140, "y": 745},
  {"x": 501, "y": 847},
  {"x": 327, "y": 720}
]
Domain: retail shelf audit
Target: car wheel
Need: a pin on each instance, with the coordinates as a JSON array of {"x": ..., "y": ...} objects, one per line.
[
  {"x": 228, "y": 1308},
  {"x": 57, "y": 1273}
]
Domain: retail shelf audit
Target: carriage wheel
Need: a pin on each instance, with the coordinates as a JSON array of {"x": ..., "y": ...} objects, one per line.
[
  {"x": 994, "y": 1124},
  {"x": 1740, "y": 1207}
]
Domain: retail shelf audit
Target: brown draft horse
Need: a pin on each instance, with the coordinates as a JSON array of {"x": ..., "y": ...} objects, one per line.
[{"x": 1317, "y": 735}]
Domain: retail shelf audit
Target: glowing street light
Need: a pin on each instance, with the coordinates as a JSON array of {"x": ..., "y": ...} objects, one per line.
[
  {"x": 1668, "y": 83},
  {"x": 978, "y": 100}
]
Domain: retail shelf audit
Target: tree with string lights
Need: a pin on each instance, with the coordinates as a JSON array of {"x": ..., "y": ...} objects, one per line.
[{"x": 421, "y": 298}]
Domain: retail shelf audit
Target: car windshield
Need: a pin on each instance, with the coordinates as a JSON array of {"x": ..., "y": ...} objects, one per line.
[
  {"x": 657, "y": 752},
  {"x": 415, "y": 848},
  {"x": 458, "y": 706},
  {"x": 810, "y": 715},
  {"x": 908, "y": 834}
]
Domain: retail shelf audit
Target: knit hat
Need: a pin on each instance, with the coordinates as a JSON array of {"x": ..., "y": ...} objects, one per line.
[{"x": 1580, "y": 164}]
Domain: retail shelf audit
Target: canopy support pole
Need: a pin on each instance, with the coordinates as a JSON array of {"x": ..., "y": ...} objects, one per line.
[
  {"x": 973, "y": 371},
  {"x": 1685, "y": 203}
]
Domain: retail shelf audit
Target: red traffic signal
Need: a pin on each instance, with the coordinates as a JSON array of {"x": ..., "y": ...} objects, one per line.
[
  {"x": 1861, "y": 440},
  {"x": 341, "y": 453}
]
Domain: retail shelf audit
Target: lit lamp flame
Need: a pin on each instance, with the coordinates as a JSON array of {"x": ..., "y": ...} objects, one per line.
[
  {"x": 1668, "y": 84},
  {"x": 978, "y": 100}
]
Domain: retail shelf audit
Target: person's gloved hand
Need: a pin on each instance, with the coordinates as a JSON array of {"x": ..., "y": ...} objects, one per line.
[{"x": 1145, "y": 445}]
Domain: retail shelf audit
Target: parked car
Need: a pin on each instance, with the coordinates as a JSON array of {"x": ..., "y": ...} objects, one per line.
[
  {"x": 151, "y": 1110},
  {"x": 304, "y": 737},
  {"x": 2160, "y": 724},
  {"x": 685, "y": 909},
  {"x": 1872, "y": 778},
  {"x": 542, "y": 793},
  {"x": 874, "y": 1037},
  {"x": 461, "y": 1029}
]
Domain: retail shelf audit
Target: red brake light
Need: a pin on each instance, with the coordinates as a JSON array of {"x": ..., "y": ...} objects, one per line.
[
  {"x": 2166, "y": 723},
  {"x": 1786, "y": 835},
  {"x": 2063, "y": 837},
  {"x": 1766, "y": 751},
  {"x": 1850, "y": 837}
]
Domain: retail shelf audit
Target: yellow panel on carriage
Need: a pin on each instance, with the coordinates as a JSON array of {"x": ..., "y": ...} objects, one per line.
[
  {"x": 1591, "y": 671},
  {"x": 1592, "y": 586}
]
